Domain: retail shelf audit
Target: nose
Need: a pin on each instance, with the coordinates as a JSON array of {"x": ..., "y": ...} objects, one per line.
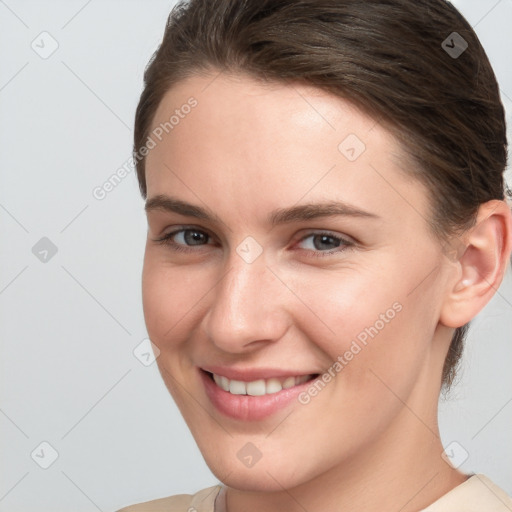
[{"x": 248, "y": 308}]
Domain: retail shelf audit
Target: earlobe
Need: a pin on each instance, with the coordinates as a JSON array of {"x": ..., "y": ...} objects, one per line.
[{"x": 481, "y": 266}]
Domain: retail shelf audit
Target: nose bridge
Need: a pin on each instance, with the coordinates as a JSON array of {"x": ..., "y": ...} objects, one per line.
[{"x": 247, "y": 306}]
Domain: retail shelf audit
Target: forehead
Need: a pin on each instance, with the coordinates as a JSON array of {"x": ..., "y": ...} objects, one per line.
[
  {"x": 245, "y": 139},
  {"x": 223, "y": 99}
]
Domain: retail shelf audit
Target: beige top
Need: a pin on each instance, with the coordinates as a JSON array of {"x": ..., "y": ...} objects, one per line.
[{"x": 476, "y": 494}]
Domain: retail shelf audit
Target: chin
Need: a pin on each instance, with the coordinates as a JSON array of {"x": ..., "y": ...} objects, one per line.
[{"x": 264, "y": 476}]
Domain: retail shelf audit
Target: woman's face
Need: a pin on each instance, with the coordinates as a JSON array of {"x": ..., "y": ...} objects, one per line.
[{"x": 300, "y": 248}]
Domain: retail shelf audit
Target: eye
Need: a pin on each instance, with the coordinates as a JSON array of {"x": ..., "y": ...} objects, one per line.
[
  {"x": 184, "y": 238},
  {"x": 317, "y": 244},
  {"x": 324, "y": 244}
]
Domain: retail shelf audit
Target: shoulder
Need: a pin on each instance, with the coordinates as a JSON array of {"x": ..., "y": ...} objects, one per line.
[
  {"x": 477, "y": 494},
  {"x": 201, "y": 501}
]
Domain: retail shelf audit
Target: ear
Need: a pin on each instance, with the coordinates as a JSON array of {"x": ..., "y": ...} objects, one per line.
[{"x": 480, "y": 269}]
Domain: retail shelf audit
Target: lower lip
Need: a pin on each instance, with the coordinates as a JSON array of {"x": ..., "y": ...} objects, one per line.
[{"x": 247, "y": 407}]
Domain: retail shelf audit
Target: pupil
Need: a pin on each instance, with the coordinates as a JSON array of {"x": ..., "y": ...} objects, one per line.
[
  {"x": 324, "y": 239},
  {"x": 194, "y": 237}
]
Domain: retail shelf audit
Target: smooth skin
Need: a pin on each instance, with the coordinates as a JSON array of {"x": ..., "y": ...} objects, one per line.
[{"x": 369, "y": 440}]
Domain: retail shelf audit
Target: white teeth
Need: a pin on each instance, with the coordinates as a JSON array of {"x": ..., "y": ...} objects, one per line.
[
  {"x": 258, "y": 387},
  {"x": 224, "y": 383},
  {"x": 237, "y": 387}
]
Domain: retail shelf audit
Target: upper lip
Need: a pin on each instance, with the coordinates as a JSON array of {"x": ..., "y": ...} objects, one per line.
[{"x": 251, "y": 374}]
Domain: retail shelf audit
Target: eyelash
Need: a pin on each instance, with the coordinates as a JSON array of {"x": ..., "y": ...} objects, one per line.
[{"x": 167, "y": 240}]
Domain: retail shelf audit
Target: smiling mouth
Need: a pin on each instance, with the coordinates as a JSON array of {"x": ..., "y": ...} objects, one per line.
[{"x": 259, "y": 387}]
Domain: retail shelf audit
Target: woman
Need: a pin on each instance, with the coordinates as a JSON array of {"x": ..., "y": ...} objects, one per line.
[{"x": 326, "y": 214}]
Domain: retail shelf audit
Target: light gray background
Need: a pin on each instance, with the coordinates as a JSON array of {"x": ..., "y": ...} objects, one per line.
[{"x": 68, "y": 327}]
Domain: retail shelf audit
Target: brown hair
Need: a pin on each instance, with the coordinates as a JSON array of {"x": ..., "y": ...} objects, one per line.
[{"x": 395, "y": 59}]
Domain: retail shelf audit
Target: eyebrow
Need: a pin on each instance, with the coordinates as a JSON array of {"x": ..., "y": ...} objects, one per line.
[{"x": 280, "y": 216}]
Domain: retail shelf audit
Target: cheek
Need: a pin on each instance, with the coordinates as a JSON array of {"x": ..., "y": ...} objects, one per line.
[
  {"x": 175, "y": 299},
  {"x": 171, "y": 301},
  {"x": 375, "y": 353},
  {"x": 345, "y": 306},
  {"x": 168, "y": 296},
  {"x": 369, "y": 322}
]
